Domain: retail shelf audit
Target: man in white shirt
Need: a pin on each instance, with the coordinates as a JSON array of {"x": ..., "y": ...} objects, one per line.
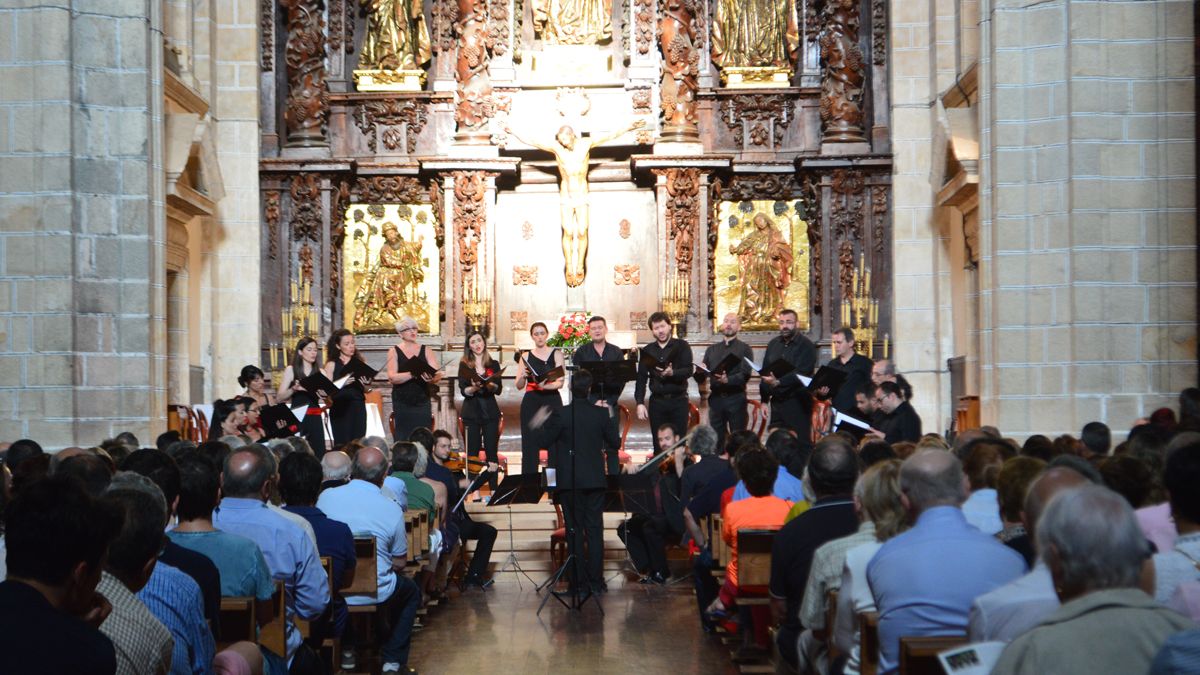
[{"x": 362, "y": 505}]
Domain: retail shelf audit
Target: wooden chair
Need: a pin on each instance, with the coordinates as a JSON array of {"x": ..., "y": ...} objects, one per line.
[
  {"x": 754, "y": 565},
  {"x": 831, "y": 600},
  {"x": 756, "y": 418},
  {"x": 626, "y": 418},
  {"x": 366, "y": 579},
  {"x": 183, "y": 419},
  {"x": 558, "y": 539},
  {"x": 918, "y": 655},
  {"x": 237, "y": 621},
  {"x": 868, "y": 643}
]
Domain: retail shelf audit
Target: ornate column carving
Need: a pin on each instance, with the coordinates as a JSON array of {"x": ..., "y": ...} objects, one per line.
[
  {"x": 307, "y": 108},
  {"x": 396, "y": 121},
  {"x": 681, "y": 31},
  {"x": 271, "y": 212},
  {"x": 475, "y": 102},
  {"x": 682, "y": 213},
  {"x": 842, "y": 74}
]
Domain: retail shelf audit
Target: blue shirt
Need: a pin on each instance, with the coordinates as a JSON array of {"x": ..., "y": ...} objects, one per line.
[
  {"x": 290, "y": 555},
  {"x": 362, "y": 506},
  {"x": 924, "y": 580},
  {"x": 241, "y": 564},
  {"x": 174, "y": 598},
  {"x": 334, "y": 539},
  {"x": 787, "y": 487},
  {"x": 399, "y": 489}
]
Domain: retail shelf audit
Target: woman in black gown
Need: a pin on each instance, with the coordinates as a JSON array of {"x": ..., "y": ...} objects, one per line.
[
  {"x": 348, "y": 416},
  {"x": 411, "y": 407},
  {"x": 480, "y": 413},
  {"x": 541, "y": 359},
  {"x": 304, "y": 363}
]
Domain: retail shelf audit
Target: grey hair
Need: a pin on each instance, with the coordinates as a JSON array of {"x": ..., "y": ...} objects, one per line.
[
  {"x": 371, "y": 474},
  {"x": 280, "y": 447},
  {"x": 376, "y": 442},
  {"x": 131, "y": 480},
  {"x": 1095, "y": 538},
  {"x": 407, "y": 322},
  {"x": 334, "y": 472},
  {"x": 233, "y": 441},
  {"x": 703, "y": 441},
  {"x": 422, "y": 461},
  {"x": 889, "y": 367},
  {"x": 932, "y": 478}
]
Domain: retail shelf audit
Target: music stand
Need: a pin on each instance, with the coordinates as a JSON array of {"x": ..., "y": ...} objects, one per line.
[{"x": 525, "y": 488}]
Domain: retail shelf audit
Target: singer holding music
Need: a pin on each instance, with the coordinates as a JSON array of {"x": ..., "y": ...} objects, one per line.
[
  {"x": 411, "y": 406},
  {"x": 304, "y": 363},
  {"x": 479, "y": 382},
  {"x": 536, "y": 371},
  {"x": 348, "y": 416},
  {"x": 665, "y": 365}
]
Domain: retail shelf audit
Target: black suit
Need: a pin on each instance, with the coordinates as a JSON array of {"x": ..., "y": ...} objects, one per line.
[
  {"x": 791, "y": 404},
  {"x": 577, "y": 455},
  {"x": 607, "y": 391}
]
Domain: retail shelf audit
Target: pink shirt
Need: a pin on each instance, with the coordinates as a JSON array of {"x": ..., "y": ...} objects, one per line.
[{"x": 1158, "y": 526}]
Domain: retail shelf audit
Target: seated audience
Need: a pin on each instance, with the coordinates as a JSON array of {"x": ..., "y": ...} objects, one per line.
[
  {"x": 919, "y": 578},
  {"x": 335, "y": 469},
  {"x": 707, "y": 467},
  {"x": 872, "y": 451},
  {"x": 1179, "y": 654},
  {"x": 982, "y": 508},
  {"x": 142, "y": 642},
  {"x": 361, "y": 505},
  {"x": 877, "y": 499},
  {"x": 1091, "y": 542},
  {"x": 1182, "y": 562},
  {"x": 786, "y": 486},
  {"x": 1012, "y": 484},
  {"x": 247, "y": 481},
  {"x": 1016, "y": 607},
  {"x": 56, "y": 538},
  {"x": 832, "y": 471},
  {"x": 1095, "y": 439}
]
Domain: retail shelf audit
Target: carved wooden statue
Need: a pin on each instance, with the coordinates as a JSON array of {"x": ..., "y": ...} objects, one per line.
[
  {"x": 573, "y": 22},
  {"x": 307, "y": 98},
  {"x": 766, "y": 261},
  {"x": 842, "y": 78},
  {"x": 680, "y": 33},
  {"x": 475, "y": 103}
]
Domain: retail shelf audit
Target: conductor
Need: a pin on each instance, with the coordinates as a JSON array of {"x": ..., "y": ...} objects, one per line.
[{"x": 577, "y": 438}]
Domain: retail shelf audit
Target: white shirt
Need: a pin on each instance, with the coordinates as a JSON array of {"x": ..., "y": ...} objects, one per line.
[
  {"x": 854, "y": 598},
  {"x": 1010, "y": 610},
  {"x": 362, "y": 506},
  {"x": 982, "y": 509}
]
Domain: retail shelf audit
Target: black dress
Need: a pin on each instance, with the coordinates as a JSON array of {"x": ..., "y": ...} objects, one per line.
[
  {"x": 411, "y": 407},
  {"x": 348, "y": 417},
  {"x": 312, "y": 428},
  {"x": 533, "y": 440},
  {"x": 481, "y": 419}
]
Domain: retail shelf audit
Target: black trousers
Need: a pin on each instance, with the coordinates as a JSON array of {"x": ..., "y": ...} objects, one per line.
[
  {"x": 612, "y": 456},
  {"x": 583, "y": 511},
  {"x": 485, "y": 435},
  {"x": 794, "y": 414},
  {"x": 673, "y": 411},
  {"x": 646, "y": 539},
  {"x": 409, "y": 417},
  {"x": 533, "y": 440},
  {"x": 313, "y": 431},
  {"x": 726, "y": 414},
  {"x": 485, "y": 538},
  {"x": 348, "y": 420}
]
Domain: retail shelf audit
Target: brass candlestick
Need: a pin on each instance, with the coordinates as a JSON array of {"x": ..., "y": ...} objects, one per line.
[
  {"x": 675, "y": 301},
  {"x": 860, "y": 312},
  {"x": 297, "y": 319},
  {"x": 477, "y": 304}
]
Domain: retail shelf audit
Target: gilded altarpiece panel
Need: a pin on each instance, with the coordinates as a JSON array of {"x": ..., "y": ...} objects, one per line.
[
  {"x": 762, "y": 263},
  {"x": 391, "y": 265}
]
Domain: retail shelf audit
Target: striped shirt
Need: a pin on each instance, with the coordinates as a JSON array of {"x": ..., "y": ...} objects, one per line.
[
  {"x": 174, "y": 599},
  {"x": 143, "y": 644}
]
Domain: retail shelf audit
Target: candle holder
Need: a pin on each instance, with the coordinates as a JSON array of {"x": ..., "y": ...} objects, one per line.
[
  {"x": 477, "y": 305},
  {"x": 675, "y": 302},
  {"x": 297, "y": 319},
  {"x": 860, "y": 312}
]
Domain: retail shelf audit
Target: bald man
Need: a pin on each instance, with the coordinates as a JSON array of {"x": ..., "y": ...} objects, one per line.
[
  {"x": 362, "y": 505},
  {"x": 1014, "y": 608},
  {"x": 727, "y": 391},
  {"x": 920, "y": 578},
  {"x": 335, "y": 469}
]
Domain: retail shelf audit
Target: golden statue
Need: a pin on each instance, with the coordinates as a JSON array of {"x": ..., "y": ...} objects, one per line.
[
  {"x": 755, "y": 34},
  {"x": 396, "y": 46},
  {"x": 573, "y": 22},
  {"x": 386, "y": 294},
  {"x": 766, "y": 261},
  {"x": 572, "y": 157}
]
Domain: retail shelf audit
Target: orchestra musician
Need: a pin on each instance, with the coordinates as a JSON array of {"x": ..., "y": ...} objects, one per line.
[{"x": 541, "y": 359}]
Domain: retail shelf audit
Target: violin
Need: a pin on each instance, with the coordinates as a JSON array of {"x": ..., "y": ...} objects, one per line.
[{"x": 458, "y": 461}]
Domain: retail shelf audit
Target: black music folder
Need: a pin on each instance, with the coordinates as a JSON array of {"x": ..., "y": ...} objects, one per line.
[
  {"x": 280, "y": 421},
  {"x": 466, "y": 371},
  {"x": 827, "y": 377},
  {"x": 417, "y": 365},
  {"x": 317, "y": 383},
  {"x": 779, "y": 368}
]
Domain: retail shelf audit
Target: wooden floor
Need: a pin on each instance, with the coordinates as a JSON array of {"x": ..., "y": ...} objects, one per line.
[{"x": 642, "y": 630}]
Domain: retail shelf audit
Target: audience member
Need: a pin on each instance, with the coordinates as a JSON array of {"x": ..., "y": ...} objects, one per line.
[
  {"x": 1080, "y": 465},
  {"x": 91, "y": 472},
  {"x": 1129, "y": 477},
  {"x": 918, "y": 577},
  {"x": 798, "y": 595},
  {"x": 167, "y": 438},
  {"x": 1091, "y": 542},
  {"x": 982, "y": 508},
  {"x": 709, "y": 464},
  {"x": 1012, "y": 484},
  {"x": 873, "y": 451},
  {"x": 247, "y": 480},
  {"x": 1096, "y": 440},
  {"x": 20, "y": 451},
  {"x": 1182, "y": 563},
  {"x": 361, "y": 505},
  {"x": 877, "y": 499},
  {"x": 335, "y": 469},
  {"x": 1014, "y": 608},
  {"x": 1038, "y": 447},
  {"x": 1189, "y": 409},
  {"x": 786, "y": 486},
  {"x": 242, "y": 569},
  {"x": 1179, "y": 655},
  {"x": 142, "y": 642},
  {"x": 56, "y": 538}
]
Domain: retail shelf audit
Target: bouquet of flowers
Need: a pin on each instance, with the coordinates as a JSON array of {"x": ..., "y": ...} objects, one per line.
[{"x": 572, "y": 331}]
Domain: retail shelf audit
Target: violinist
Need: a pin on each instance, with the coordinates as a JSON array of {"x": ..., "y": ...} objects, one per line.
[
  {"x": 541, "y": 359},
  {"x": 458, "y": 523},
  {"x": 479, "y": 382},
  {"x": 646, "y": 534}
]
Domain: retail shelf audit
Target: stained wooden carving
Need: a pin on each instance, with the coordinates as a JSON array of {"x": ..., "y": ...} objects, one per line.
[
  {"x": 266, "y": 22},
  {"x": 812, "y": 211},
  {"x": 846, "y": 221},
  {"x": 623, "y": 228},
  {"x": 390, "y": 189},
  {"x": 475, "y": 104},
  {"x": 643, "y": 25},
  {"x": 498, "y": 30},
  {"x": 742, "y": 188},
  {"x": 307, "y": 215},
  {"x": 879, "y": 27},
  {"x": 637, "y": 321},
  {"x": 527, "y": 230},
  {"x": 308, "y": 97},
  {"x": 470, "y": 216},
  {"x": 337, "y": 235},
  {"x": 842, "y": 77},
  {"x": 683, "y": 212},
  {"x": 271, "y": 212},
  {"x": 680, "y": 32},
  {"x": 392, "y": 121},
  {"x": 627, "y": 275},
  {"x": 525, "y": 275},
  {"x": 767, "y": 114},
  {"x": 444, "y": 15},
  {"x": 306, "y": 263},
  {"x": 879, "y": 213},
  {"x": 518, "y": 321}
]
